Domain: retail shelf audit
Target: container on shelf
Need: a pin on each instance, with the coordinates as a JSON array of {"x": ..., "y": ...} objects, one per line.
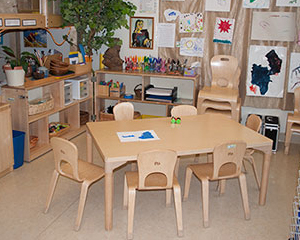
[
  {"x": 117, "y": 92},
  {"x": 18, "y": 142},
  {"x": 80, "y": 87},
  {"x": 103, "y": 90},
  {"x": 41, "y": 105},
  {"x": 68, "y": 92}
]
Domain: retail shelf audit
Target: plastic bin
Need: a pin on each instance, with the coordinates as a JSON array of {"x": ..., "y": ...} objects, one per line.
[{"x": 18, "y": 142}]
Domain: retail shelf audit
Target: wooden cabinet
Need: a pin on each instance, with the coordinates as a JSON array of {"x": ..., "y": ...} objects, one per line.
[
  {"x": 6, "y": 141},
  {"x": 157, "y": 79},
  {"x": 38, "y": 124}
]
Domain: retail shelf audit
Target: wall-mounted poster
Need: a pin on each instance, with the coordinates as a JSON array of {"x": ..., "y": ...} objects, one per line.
[
  {"x": 171, "y": 14},
  {"x": 256, "y": 3},
  {"x": 191, "y": 22},
  {"x": 217, "y": 5},
  {"x": 223, "y": 32},
  {"x": 274, "y": 26},
  {"x": 35, "y": 38},
  {"x": 192, "y": 47},
  {"x": 288, "y": 3},
  {"x": 141, "y": 32},
  {"x": 266, "y": 71},
  {"x": 294, "y": 73}
]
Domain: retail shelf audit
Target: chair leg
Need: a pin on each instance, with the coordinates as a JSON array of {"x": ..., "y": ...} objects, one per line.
[
  {"x": 243, "y": 186},
  {"x": 205, "y": 202},
  {"x": 288, "y": 136},
  {"x": 133, "y": 166},
  {"x": 251, "y": 159},
  {"x": 125, "y": 194},
  {"x": 82, "y": 200},
  {"x": 168, "y": 197},
  {"x": 178, "y": 209},
  {"x": 52, "y": 187},
  {"x": 188, "y": 176},
  {"x": 131, "y": 204},
  {"x": 196, "y": 159},
  {"x": 222, "y": 186}
]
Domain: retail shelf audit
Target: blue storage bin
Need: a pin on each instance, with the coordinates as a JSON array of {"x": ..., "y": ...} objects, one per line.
[{"x": 18, "y": 142}]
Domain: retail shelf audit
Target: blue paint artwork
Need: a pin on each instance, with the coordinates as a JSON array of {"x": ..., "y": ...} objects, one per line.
[
  {"x": 128, "y": 136},
  {"x": 172, "y": 13},
  {"x": 146, "y": 135}
]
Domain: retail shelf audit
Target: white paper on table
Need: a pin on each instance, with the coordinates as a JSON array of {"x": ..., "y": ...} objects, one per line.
[
  {"x": 190, "y": 22},
  {"x": 136, "y": 136},
  {"x": 294, "y": 73},
  {"x": 166, "y": 35},
  {"x": 288, "y": 3},
  {"x": 217, "y": 5},
  {"x": 192, "y": 47},
  {"x": 274, "y": 26},
  {"x": 148, "y": 6},
  {"x": 256, "y": 4},
  {"x": 223, "y": 32},
  {"x": 171, "y": 14}
]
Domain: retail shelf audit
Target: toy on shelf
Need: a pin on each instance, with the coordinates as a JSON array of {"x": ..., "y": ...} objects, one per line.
[{"x": 175, "y": 120}]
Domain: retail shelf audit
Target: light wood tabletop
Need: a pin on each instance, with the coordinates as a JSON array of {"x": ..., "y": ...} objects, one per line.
[{"x": 195, "y": 135}]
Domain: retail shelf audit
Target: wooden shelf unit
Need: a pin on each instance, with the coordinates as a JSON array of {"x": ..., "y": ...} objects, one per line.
[
  {"x": 145, "y": 79},
  {"x": 37, "y": 124}
]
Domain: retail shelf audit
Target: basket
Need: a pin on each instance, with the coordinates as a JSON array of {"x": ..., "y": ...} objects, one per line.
[
  {"x": 58, "y": 129},
  {"x": 138, "y": 91},
  {"x": 84, "y": 117},
  {"x": 41, "y": 105},
  {"x": 33, "y": 141}
]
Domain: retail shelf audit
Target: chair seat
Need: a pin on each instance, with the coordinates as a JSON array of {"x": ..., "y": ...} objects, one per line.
[
  {"x": 87, "y": 171},
  {"x": 219, "y": 94}
]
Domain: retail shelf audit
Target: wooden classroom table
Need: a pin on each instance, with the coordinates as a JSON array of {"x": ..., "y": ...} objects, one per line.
[{"x": 195, "y": 135}]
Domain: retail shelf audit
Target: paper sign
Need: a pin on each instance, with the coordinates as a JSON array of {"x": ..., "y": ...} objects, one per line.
[
  {"x": 256, "y": 3},
  {"x": 171, "y": 14},
  {"x": 191, "y": 22},
  {"x": 145, "y": 135},
  {"x": 217, "y": 5},
  {"x": 294, "y": 73},
  {"x": 192, "y": 47},
  {"x": 288, "y": 3},
  {"x": 223, "y": 32},
  {"x": 166, "y": 34}
]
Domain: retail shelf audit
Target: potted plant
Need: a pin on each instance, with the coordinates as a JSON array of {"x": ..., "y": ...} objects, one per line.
[
  {"x": 96, "y": 21},
  {"x": 16, "y": 66}
]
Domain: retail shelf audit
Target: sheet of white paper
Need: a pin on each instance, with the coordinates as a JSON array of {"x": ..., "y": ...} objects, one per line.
[
  {"x": 190, "y": 22},
  {"x": 148, "y": 6},
  {"x": 288, "y": 3},
  {"x": 145, "y": 135},
  {"x": 192, "y": 47},
  {"x": 223, "y": 32},
  {"x": 217, "y": 5},
  {"x": 166, "y": 35},
  {"x": 294, "y": 73},
  {"x": 171, "y": 14},
  {"x": 256, "y": 4},
  {"x": 274, "y": 26}
]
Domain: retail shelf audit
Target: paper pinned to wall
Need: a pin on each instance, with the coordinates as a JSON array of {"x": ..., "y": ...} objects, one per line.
[
  {"x": 136, "y": 136},
  {"x": 266, "y": 71},
  {"x": 171, "y": 14},
  {"x": 192, "y": 47},
  {"x": 217, "y": 5},
  {"x": 288, "y": 3},
  {"x": 166, "y": 34},
  {"x": 191, "y": 22},
  {"x": 148, "y": 6},
  {"x": 294, "y": 73},
  {"x": 223, "y": 32},
  {"x": 256, "y": 3},
  {"x": 274, "y": 26}
]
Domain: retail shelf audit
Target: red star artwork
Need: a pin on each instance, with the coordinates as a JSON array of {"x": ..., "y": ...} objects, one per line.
[{"x": 224, "y": 26}]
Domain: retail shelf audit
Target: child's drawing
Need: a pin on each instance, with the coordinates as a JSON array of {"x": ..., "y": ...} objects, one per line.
[
  {"x": 223, "y": 32},
  {"x": 288, "y": 3},
  {"x": 192, "y": 47},
  {"x": 191, "y": 22},
  {"x": 266, "y": 71},
  {"x": 256, "y": 3},
  {"x": 217, "y": 5},
  {"x": 294, "y": 73}
]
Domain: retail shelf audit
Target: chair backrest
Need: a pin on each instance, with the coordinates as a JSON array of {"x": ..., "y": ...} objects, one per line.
[
  {"x": 227, "y": 155},
  {"x": 225, "y": 71},
  {"x": 156, "y": 169},
  {"x": 65, "y": 152},
  {"x": 254, "y": 122},
  {"x": 297, "y": 100},
  {"x": 123, "y": 111},
  {"x": 183, "y": 110}
]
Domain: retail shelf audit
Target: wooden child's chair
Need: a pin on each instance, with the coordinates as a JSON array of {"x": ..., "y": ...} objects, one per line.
[
  {"x": 183, "y": 110},
  {"x": 123, "y": 111},
  {"x": 227, "y": 163},
  {"x": 68, "y": 165},
  {"x": 155, "y": 172}
]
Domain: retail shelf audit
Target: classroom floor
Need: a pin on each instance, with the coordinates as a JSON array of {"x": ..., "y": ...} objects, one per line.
[{"x": 23, "y": 195}]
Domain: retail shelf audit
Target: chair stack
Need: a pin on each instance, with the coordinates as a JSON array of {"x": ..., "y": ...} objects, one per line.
[{"x": 223, "y": 95}]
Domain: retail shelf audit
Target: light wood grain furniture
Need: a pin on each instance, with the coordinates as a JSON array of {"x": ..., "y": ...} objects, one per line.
[
  {"x": 253, "y": 122},
  {"x": 222, "y": 96},
  {"x": 68, "y": 165},
  {"x": 37, "y": 124},
  {"x": 227, "y": 163},
  {"x": 183, "y": 110},
  {"x": 195, "y": 135},
  {"x": 123, "y": 111},
  {"x": 293, "y": 121},
  {"x": 155, "y": 172},
  {"x": 131, "y": 79},
  {"x": 6, "y": 140}
]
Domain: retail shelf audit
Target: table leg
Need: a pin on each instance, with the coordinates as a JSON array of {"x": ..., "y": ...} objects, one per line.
[
  {"x": 265, "y": 178},
  {"x": 109, "y": 189},
  {"x": 89, "y": 147}
]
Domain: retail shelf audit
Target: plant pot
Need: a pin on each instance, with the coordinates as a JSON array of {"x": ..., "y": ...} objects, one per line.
[{"x": 15, "y": 77}]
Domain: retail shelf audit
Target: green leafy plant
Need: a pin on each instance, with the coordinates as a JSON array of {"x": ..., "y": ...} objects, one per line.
[
  {"x": 16, "y": 60},
  {"x": 96, "y": 21}
]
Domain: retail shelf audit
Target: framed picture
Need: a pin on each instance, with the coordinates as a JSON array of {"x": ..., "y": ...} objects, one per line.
[{"x": 141, "y": 32}]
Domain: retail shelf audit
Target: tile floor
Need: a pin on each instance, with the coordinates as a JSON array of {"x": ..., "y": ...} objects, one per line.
[{"x": 23, "y": 195}]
